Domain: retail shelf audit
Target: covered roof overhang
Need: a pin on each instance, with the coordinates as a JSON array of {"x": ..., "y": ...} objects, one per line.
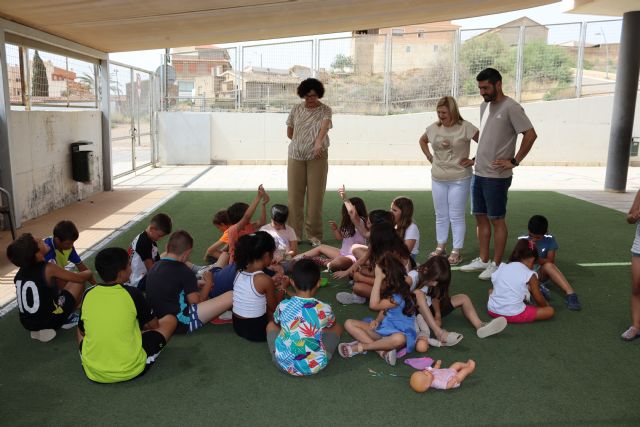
[
  {"x": 125, "y": 25},
  {"x": 605, "y": 7}
]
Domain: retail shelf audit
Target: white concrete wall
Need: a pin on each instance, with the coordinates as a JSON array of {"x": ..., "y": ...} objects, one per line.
[
  {"x": 41, "y": 158},
  {"x": 186, "y": 138},
  {"x": 571, "y": 132}
]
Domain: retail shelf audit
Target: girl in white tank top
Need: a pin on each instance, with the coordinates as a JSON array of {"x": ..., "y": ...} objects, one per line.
[{"x": 254, "y": 297}]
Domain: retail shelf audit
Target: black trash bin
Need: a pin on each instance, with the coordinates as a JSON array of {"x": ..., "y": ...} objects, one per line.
[{"x": 81, "y": 161}]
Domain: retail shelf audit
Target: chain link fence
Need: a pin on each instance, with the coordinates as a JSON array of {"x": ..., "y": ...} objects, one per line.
[
  {"x": 42, "y": 79},
  {"x": 398, "y": 72}
]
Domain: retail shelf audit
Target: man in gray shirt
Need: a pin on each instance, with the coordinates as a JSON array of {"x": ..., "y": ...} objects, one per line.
[{"x": 501, "y": 120}]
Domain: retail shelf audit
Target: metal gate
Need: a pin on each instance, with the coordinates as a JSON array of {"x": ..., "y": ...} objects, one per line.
[{"x": 132, "y": 125}]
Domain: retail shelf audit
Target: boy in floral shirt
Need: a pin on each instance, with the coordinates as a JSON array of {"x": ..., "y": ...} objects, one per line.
[{"x": 308, "y": 334}]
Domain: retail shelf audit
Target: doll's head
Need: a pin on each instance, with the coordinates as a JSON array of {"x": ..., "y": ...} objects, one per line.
[{"x": 421, "y": 381}]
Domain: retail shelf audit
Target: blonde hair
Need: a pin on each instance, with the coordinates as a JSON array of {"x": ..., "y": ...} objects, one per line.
[{"x": 452, "y": 106}]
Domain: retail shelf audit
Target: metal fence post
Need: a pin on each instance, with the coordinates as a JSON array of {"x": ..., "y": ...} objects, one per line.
[
  {"x": 519, "y": 62},
  {"x": 240, "y": 78},
  {"x": 315, "y": 57},
  {"x": 580, "y": 65},
  {"x": 455, "y": 78},
  {"x": 387, "y": 73},
  {"x": 27, "y": 79}
]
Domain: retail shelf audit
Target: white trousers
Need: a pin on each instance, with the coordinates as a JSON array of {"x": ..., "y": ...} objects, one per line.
[{"x": 450, "y": 203}]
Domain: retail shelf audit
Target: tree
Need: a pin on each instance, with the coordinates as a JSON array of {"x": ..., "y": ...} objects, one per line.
[
  {"x": 39, "y": 81},
  {"x": 341, "y": 62}
]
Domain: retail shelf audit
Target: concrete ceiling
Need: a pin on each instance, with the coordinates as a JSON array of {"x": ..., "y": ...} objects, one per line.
[
  {"x": 605, "y": 7},
  {"x": 124, "y": 25}
]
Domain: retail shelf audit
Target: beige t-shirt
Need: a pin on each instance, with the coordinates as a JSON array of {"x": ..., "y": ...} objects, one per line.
[
  {"x": 498, "y": 136},
  {"x": 306, "y": 123},
  {"x": 450, "y": 145}
]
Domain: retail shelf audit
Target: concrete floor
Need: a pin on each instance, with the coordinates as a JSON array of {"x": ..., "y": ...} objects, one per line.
[{"x": 102, "y": 216}]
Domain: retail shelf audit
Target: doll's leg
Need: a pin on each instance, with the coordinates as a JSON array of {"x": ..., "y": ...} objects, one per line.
[{"x": 464, "y": 370}]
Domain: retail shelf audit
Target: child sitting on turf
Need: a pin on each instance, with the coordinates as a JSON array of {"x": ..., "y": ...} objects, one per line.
[
  {"x": 434, "y": 281},
  {"x": 402, "y": 211},
  {"x": 112, "y": 346},
  {"x": 283, "y": 234},
  {"x": 512, "y": 283},
  {"x": 143, "y": 250},
  {"x": 44, "y": 307},
  {"x": 441, "y": 379},
  {"x": 61, "y": 249},
  {"x": 308, "y": 333},
  {"x": 394, "y": 327},
  {"x": 545, "y": 266},
  {"x": 254, "y": 292},
  {"x": 384, "y": 240},
  {"x": 172, "y": 288},
  {"x": 222, "y": 223},
  {"x": 350, "y": 232},
  {"x": 240, "y": 216}
]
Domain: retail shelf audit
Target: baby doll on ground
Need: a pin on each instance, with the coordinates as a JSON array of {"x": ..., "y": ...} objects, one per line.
[{"x": 442, "y": 379}]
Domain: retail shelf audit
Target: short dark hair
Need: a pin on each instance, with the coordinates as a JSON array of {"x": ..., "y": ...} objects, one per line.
[
  {"x": 538, "y": 225},
  {"x": 279, "y": 213},
  {"x": 252, "y": 247},
  {"x": 162, "y": 222},
  {"x": 377, "y": 216},
  {"x": 65, "y": 231},
  {"x": 236, "y": 211},
  {"x": 221, "y": 218},
  {"x": 22, "y": 251},
  {"x": 309, "y": 85},
  {"x": 179, "y": 242},
  {"x": 110, "y": 261},
  {"x": 306, "y": 274},
  {"x": 490, "y": 74}
]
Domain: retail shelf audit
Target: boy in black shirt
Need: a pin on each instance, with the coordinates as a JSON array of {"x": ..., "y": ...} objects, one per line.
[
  {"x": 143, "y": 251},
  {"x": 43, "y": 306}
]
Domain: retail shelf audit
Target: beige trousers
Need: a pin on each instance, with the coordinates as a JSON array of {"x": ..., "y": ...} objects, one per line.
[{"x": 310, "y": 177}]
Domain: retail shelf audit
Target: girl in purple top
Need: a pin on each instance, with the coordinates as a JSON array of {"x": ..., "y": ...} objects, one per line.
[{"x": 352, "y": 231}]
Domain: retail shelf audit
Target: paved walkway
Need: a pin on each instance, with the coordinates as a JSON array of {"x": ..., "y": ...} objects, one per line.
[{"x": 102, "y": 216}]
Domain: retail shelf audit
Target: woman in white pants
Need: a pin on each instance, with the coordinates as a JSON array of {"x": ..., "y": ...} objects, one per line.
[{"x": 450, "y": 138}]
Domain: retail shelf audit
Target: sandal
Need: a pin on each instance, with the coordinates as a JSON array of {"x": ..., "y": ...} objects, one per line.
[
  {"x": 449, "y": 339},
  {"x": 631, "y": 334},
  {"x": 454, "y": 258},
  {"x": 391, "y": 357},
  {"x": 345, "y": 349},
  {"x": 438, "y": 252}
]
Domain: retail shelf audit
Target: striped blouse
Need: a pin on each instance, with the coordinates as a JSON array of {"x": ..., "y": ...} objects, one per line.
[{"x": 306, "y": 123}]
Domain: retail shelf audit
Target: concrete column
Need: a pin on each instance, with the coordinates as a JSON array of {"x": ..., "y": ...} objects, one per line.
[
  {"x": 624, "y": 104},
  {"x": 6, "y": 176},
  {"x": 104, "y": 101}
]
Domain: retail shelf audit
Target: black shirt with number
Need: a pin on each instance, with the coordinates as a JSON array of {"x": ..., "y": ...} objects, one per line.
[{"x": 38, "y": 301}]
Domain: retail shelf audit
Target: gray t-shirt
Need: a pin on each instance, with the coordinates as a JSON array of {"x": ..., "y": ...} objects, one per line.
[{"x": 498, "y": 136}]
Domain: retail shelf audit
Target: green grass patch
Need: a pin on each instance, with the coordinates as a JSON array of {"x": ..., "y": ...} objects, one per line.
[{"x": 573, "y": 369}]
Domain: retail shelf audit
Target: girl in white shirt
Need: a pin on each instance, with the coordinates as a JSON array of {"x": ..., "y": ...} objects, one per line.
[
  {"x": 254, "y": 292},
  {"x": 512, "y": 283},
  {"x": 402, "y": 211}
]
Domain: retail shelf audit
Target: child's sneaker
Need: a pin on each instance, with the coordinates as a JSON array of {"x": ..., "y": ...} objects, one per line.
[
  {"x": 71, "y": 321},
  {"x": 486, "y": 274},
  {"x": 572, "y": 302},
  {"x": 224, "y": 319},
  {"x": 350, "y": 298},
  {"x": 545, "y": 291},
  {"x": 43, "y": 335},
  {"x": 476, "y": 265},
  {"x": 493, "y": 327}
]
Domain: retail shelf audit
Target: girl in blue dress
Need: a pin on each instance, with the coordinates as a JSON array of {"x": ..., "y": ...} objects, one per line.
[{"x": 394, "y": 327}]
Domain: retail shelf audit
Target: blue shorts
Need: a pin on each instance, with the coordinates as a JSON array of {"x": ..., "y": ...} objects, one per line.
[
  {"x": 223, "y": 279},
  {"x": 489, "y": 196}
]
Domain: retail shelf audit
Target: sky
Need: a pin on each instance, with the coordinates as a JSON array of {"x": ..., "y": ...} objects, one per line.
[{"x": 547, "y": 15}]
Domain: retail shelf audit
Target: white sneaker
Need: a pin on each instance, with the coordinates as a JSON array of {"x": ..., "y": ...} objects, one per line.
[
  {"x": 43, "y": 335},
  {"x": 493, "y": 327},
  {"x": 476, "y": 265},
  {"x": 350, "y": 298},
  {"x": 486, "y": 274}
]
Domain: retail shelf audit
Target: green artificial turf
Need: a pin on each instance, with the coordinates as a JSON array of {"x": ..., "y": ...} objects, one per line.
[{"x": 573, "y": 369}]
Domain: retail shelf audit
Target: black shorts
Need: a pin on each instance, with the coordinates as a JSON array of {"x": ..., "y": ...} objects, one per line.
[
  {"x": 254, "y": 329},
  {"x": 64, "y": 300},
  {"x": 445, "y": 308}
]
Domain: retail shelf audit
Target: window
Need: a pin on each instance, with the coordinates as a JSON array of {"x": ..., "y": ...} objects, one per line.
[
  {"x": 422, "y": 34},
  {"x": 397, "y": 31},
  {"x": 407, "y": 49},
  {"x": 436, "y": 47}
]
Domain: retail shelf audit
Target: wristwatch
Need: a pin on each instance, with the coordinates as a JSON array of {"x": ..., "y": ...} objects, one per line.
[{"x": 514, "y": 162}]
